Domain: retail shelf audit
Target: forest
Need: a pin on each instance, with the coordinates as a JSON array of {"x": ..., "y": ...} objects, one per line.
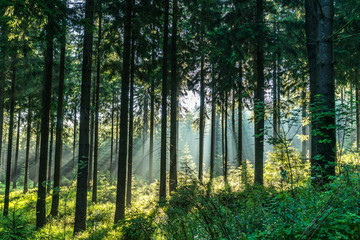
[{"x": 179, "y": 119}]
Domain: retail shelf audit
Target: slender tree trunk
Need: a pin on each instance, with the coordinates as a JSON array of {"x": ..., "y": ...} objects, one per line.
[
  {"x": 303, "y": 128},
  {"x": 275, "y": 92},
  {"x": 357, "y": 96},
  {"x": 223, "y": 136},
  {"x": 27, "y": 154},
  {"x": 45, "y": 118},
  {"x": 3, "y": 70},
  {"x": 319, "y": 31},
  {"x": 112, "y": 136},
  {"x": 117, "y": 132},
  {"x": 202, "y": 117},
  {"x": 59, "y": 128},
  {"x": 240, "y": 145},
  {"x": 162, "y": 194},
  {"x": 213, "y": 117},
  {"x": 151, "y": 147},
  {"x": 11, "y": 127},
  {"x": 226, "y": 162},
  {"x": 4, "y": 151},
  {"x": 92, "y": 135},
  {"x": 82, "y": 175},
  {"x": 97, "y": 108},
  {"x": 145, "y": 125},
  {"x": 75, "y": 136},
  {"x": 121, "y": 181},
  {"x": 131, "y": 126},
  {"x": 174, "y": 104},
  {"x": 351, "y": 115},
  {"x": 50, "y": 156},
  {"x": 259, "y": 108},
  {"x": 233, "y": 127},
  {"x": 17, "y": 150},
  {"x": 36, "y": 165}
]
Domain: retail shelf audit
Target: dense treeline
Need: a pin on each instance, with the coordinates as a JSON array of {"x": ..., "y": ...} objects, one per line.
[{"x": 98, "y": 94}]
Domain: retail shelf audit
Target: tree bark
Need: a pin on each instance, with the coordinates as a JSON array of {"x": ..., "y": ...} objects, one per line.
[
  {"x": 121, "y": 181},
  {"x": 82, "y": 175},
  {"x": 59, "y": 128},
  {"x": 27, "y": 154},
  {"x": 11, "y": 127},
  {"x": 240, "y": 145},
  {"x": 351, "y": 115},
  {"x": 164, "y": 94},
  {"x": 75, "y": 136},
  {"x": 303, "y": 128},
  {"x": 3, "y": 70},
  {"x": 131, "y": 126},
  {"x": 45, "y": 118},
  {"x": 152, "y": 113},
  {"x": 213, "y": 117},
  {"x": 174, "y": 103},
  {"x": 226, "y": 160},
  {"x": 112, "y": 136},
  {"x": 92, "y": 135},
  {"x": 357, "y": 96},
  {"x": 319, "y": 30},
  {"x": 259, "y": 108},
  {"x": 36, "y": 160},
  {"x": 202, "y": 116},
  {"x": 17, "y": 150},
  {"x": 50, "y": 156},
  {"x": 97, "y": 108}
]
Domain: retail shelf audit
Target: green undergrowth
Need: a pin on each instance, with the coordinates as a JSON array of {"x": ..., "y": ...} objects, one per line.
[{"x": 235, "y": 209}]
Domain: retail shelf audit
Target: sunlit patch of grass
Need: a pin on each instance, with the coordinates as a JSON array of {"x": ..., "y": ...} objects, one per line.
[{"x": 234, "y": 209}]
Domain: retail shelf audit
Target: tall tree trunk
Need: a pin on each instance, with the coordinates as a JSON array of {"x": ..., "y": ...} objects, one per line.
[
  {"x": 259, "y": 108},
  {"x": 303, "y": 128},
  {"x": 75, "y": 136},
  {"x": 357, "y": 112},
  {"x": 174, "y": 104},
  {"x": 240, "y": 145},
  {"x": 275, "y": 88},
  {"x": 131, "y": 126},
  {"x": 27, "y": 154},
  {"x": 121, "y": 181},
  {"x": 82, "y": 175},
  {"x": 351, "y": 115},
  {"x": 117, "y": 132},
  {"x": 36, "y": 160},
  {"x": 3, "y": 70},
  {"x": 213, "y": 117},
  {"x": 319, "y": 30},
  {"x": 92, "y": 135},
  {"x": 50, "y": 156},
  {"x": 223, "y": 136},
  {"x": 97, "y": 108},
  {"x": 151, "y": 147},
  {"x": 233, "y": 128},
  {"x": 45, "y": 117},
  {"x": 11, "y": 127},
  {"x": 112, "y": 136},
  {"x": 59, "y": 127},
  {"x": 17, "y": 150},
  {"x": 202, "y": 116},
  {"x": 164, "y": 94},
  {"x": 226, "y": 157},
  {"x": 145, "y": 125}
]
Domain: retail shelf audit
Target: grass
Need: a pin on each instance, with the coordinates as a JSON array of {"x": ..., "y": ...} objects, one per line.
[{"x": 230, "y": 210}]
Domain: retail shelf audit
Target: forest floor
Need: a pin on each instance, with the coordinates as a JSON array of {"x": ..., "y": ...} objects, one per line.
[{"x": 234, "y": 210}]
